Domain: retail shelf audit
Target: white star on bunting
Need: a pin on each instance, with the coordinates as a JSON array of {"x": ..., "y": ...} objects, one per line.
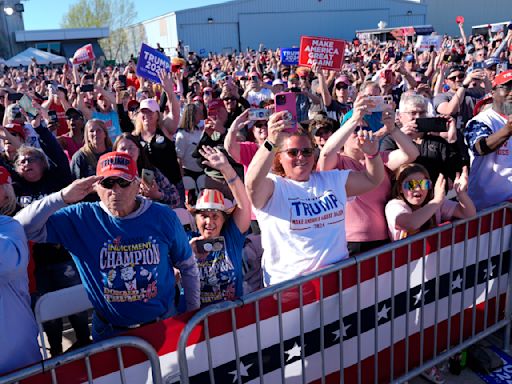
[
  {"x": 293, "y": 352},
  {"x": 336, "y": 333},
  {"x": 457, "y": 282},
  {"x": 243, "y": 371},
  {"x": 418, "y": 296},
  {"x": 383, "y": 313}
]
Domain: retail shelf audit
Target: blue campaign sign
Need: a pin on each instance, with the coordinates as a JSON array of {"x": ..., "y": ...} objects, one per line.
[
  {"x": 290, "y": 56},
  {"x": 150, "y": 62}
]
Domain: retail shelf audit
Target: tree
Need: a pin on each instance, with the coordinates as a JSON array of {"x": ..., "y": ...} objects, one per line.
[{"x": 115, "y": 14}]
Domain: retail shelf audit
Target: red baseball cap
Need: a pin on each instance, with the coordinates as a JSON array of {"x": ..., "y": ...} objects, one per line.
[
  {"x": 214, "y": 107},
  {"x": 502, "y": 78},
  {"x": 5, "y": 176},
  {"x": 16, "y": 129},
  {"x": 117, "y": 164}
]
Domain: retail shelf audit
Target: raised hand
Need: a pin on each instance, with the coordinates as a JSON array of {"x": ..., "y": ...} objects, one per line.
[
  {"x": 439, "y": 189},
  {"x": 214, "y": 158},
  {"x": 460, "y": 185},
  {"x": 80, "y": 188}
]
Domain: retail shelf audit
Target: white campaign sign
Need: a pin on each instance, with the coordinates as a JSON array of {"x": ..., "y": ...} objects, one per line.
[{"x": 425, "y": 42}]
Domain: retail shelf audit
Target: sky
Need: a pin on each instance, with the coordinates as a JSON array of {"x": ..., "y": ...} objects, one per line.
[{"x": 47, "y": 14}]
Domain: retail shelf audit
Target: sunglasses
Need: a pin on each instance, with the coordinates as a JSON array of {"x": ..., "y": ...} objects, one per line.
[
  {"x": 27, "y": 160},
  {"x": 109, "y": 182},
  {"x": 458, "y": 77},
  {"x": 411, "y": 185},
  {"x": 294, "y": 152},
  {"x": 341, "y": 86}
]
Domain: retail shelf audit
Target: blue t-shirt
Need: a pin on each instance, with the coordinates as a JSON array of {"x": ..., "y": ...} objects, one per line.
[
  {"x": 220, "y": 272},
  {"x": 125, "y": 264},
  {"x": 111, "y": 120}
]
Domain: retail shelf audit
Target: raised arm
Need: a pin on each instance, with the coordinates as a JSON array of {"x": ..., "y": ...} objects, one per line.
[
  {"x": 171, "y": 121},
  {"x": 259, "y": 186},
  {"x": 217, "y": 160},
  {"x": 230, "y": 142}
]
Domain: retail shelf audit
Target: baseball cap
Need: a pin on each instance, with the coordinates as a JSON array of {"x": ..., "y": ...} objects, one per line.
[
  {"x": 278, "y": 82},
  {"x": 133, "y": 105},
  {"x": 117, "y": 164},
  {"x": 16, "y": 129},
  {"x": 5, "y": 176},
  {"x": 502, "y": 78},
  {"x": 212, "y": 200},
  {"x": 150, "y": 104},
  {"x": 342, "y": 79},
  {"x": 409, "y": 58},
  {"x": 214, "y": 107},
  {"x": 455, "y": 68},
  {"x": 491, "y": 61},
  {"x": 73, "y": 111}
]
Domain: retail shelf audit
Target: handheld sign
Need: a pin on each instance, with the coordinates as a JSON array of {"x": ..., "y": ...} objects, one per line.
[
  {"x": 459, "y": 19},
  {"x": 83, "y": 55},
  {"x": 425, "y": 42},
  {"x": 151, "y": 62},
  {"x": 329, "y": 53},
  {"x": 290, "y": 56}
]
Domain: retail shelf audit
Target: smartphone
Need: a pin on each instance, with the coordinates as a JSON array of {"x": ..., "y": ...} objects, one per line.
[
  {"x": 148, "y": 176},
  {"x": 431, "y": 124},
  {"x": 240, "y": 74},
  {"x": 52, "y": 117},
  {"x": 287, "y": 101},
  {"x": 380, "y": 102},
  {"x": 501, "y": 67},
  {"x": 122, "y": 79},
  {"x": 259, "y": 114},
  {"x": 478, "y": 65},
  {"x": 391, "y": 52},
  {"x": 215, "y": 244},
  {"x": 388, "y": 75},
  {"x": 14, "y": 96},
  {"x": 87, "y": 88},
  {"x": 26, "y": 103}
]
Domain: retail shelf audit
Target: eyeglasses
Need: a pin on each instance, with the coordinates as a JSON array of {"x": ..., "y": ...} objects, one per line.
[
  {"x": 26, "y": 160},
  {"x": 505, "y": 87},
  {"x": 458, "y": 77},
  {"x": 411, "y": 185},
  {"x": 109, "y": 182},
  {"x": 341, "y": 86},
  {"x": 294, "y": 152}
]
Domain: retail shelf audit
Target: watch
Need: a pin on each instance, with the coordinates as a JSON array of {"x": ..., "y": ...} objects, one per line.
[{"x": 271, "y": 147}]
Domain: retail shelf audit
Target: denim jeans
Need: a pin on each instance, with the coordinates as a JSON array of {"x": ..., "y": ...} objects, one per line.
[{"x": 52, "y": 277}]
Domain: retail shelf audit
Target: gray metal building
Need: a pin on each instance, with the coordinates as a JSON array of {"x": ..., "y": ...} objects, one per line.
[{"x": 239, "y": 24}]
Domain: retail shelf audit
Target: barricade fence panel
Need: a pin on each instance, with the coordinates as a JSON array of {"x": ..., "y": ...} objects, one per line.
[
  {"x": 382, "y": 316},
  {"x": 370, "y": 319}
]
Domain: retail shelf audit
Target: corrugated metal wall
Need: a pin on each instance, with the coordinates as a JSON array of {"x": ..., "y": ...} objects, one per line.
[{"x": 441, "y": 13}]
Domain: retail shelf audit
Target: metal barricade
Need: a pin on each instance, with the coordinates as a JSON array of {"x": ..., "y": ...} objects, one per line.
[
  {"x": 84, "y": 353},
  {"x": 428, "y": 296}
]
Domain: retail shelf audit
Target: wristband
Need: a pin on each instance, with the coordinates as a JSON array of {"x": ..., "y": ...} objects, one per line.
[
  {"x": 372, "y": 156},
  {"x": 232, "y": 180}
]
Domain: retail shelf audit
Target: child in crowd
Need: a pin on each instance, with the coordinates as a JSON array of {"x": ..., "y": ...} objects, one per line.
[{"x": 418, "y": 205}]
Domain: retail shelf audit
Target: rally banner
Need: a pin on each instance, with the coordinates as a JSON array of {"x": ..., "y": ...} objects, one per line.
[
  {"x": 414, "y": 296},
  {"x": 328, "y": 53},
  {"x": 150, "y": 62},
  {"x": 290, "y": 56},
  {"x": 425, "y": 42},
  {"x": 83, "y": 55}
]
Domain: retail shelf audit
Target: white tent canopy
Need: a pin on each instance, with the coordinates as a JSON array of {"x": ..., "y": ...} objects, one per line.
[{"x": 25, "y": 58}]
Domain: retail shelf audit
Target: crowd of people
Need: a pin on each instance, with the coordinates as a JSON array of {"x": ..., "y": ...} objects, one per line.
[{"x": 166, "y": 197}]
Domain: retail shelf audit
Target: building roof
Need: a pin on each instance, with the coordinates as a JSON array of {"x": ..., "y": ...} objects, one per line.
[{"x": 62, "y": 34}]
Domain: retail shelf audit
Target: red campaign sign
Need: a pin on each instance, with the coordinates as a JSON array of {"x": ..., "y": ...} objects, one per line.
[
  {"x": 328, "y": 53},
  {"x": 459, "y": 19},
  {"x": 83, "y": 55}
]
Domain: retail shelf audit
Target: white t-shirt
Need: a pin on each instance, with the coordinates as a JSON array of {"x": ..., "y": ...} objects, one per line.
[
  {"x": 186, "y": 143},
  {"x": 303, "y": 225},
  {"x": 396, "y": 207},
  {"x": 490, "y": 176},
  {"x": 255, "y": 98}
]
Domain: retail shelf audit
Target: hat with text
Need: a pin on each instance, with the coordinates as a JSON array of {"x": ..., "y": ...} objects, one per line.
[
  {"x": 212, "y": 200},
  {"x": 117, "y": 164},
  {"x": 150, "y": 104},
  {"x": 5, "y": 176},
  {"x": 502, "y": 78},
  {"x": 16, "y": 129}
]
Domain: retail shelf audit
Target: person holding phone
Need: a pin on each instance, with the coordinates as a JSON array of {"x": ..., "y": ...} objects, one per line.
[
  {"x": 302, "y": 212},
  {"x": 221, "y": 226},
  {"x": 254, "y": 92},
  {"x": 365, "y": 221}
]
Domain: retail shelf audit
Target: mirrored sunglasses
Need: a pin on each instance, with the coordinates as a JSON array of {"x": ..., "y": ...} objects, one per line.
[
  {"x": 411, "y": 185},
  {"x": 294, "y": 152},
  {"x": 109, "y": 182}
]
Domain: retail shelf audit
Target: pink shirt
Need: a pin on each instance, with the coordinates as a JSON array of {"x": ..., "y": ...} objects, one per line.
[
  {"x": 397, "y": 207},
  {"x": 365, "y": 219}
]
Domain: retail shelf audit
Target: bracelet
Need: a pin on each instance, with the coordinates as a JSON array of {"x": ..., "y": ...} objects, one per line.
[
  {"x": 372, "y": 156},
  {"x": 232, "y": 180}
]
